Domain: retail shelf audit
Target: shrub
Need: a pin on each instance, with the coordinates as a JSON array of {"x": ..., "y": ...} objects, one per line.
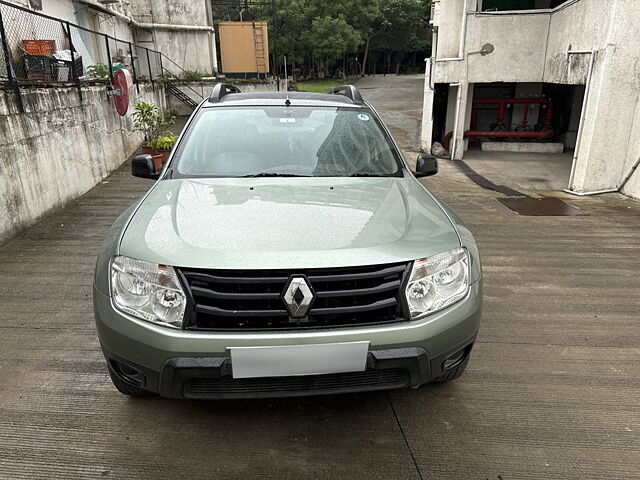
[
  {"x": 164, "y": 142},
  {"x": 190, "y": 76},
  {"x": 148, "y": 120},
  {"x": 98, "y": 70}
]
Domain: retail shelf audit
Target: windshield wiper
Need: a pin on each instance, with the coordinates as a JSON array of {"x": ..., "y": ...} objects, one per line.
[
  {"x": 266, "y": 174},
  {"x": 368, "y": 175}
]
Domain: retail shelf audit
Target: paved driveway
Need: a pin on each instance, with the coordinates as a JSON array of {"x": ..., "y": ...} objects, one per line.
[{"x": 552, "y": 390}]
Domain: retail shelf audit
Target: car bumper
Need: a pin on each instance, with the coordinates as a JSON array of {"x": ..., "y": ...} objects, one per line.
[{"x": 178, "y": 363}]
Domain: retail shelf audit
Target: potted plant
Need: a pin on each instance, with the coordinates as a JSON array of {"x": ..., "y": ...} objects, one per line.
[
  {"x": 164, "y": 143},
  {"x": 150, "y": 121}
]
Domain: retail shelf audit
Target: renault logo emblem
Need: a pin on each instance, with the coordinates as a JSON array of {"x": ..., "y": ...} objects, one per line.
[{"x": 298, "y": 296}]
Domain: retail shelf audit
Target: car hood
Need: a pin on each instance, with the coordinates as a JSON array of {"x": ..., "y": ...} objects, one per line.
[{"x": 287, "y": 223}]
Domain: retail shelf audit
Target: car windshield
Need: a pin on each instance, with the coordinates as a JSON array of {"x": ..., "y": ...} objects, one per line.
[{"x": 285, "y": 141}]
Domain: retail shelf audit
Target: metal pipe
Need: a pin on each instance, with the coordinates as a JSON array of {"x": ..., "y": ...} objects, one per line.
[
  {"x": 586, "y": 194},
  {"x": 169, "y": 26},
  {"x": 455, "y": 120},
  {"x": 130, "y": 20},
  {"x": 463, "y": 33},
  {"x": 434, "y": 59},
  {"x": 133, "y": 68},
  {"x": 585, "y": 99},
  {"x": 633, "y": 169},
  {"x": 507, "y": 101},
  {"x": 598, "y": 192}
]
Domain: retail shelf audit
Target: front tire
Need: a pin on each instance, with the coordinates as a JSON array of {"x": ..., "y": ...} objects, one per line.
[{"x": 125, "y": 387}]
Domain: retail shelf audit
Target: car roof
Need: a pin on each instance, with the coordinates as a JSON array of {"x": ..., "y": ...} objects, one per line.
[{"x": 305, "y": 99}]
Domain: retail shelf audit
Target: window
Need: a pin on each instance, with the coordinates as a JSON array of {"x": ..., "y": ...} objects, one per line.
[
  {"x": 287, "y": 141},
  {"x": 502, "y": 5}
]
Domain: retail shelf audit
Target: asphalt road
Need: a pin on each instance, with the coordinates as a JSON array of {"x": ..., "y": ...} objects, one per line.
[{"x": 552, "y": 390}]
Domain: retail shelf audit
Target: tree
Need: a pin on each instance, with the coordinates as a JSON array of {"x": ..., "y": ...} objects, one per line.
[
  {"x": 316, "y": 34},
  {"x": 330, "y": 39},
  {"x": 400, "y": 28}
]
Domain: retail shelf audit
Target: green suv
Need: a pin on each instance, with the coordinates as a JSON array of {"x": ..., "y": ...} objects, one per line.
[{"x": 286, "y": 249}]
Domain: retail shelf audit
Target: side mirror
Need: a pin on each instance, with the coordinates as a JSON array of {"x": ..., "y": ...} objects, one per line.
[
  {"x": 142, "y": 166},
  {"x": 426, "y": 165}
]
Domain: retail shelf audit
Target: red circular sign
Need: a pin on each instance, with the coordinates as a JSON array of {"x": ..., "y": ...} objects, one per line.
[{"x": 122, "y": 81}]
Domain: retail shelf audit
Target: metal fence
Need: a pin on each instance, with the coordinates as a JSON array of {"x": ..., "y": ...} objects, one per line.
[{"x": 40, "y": 50}]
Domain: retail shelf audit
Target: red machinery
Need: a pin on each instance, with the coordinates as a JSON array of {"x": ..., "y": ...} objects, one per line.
[{"x": 499, "y": 129}]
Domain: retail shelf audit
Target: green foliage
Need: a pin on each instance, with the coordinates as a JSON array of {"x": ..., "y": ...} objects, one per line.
[
  {"x": 169, "y": 117},
  {"x": 319, "y": 86},
  {"x": 330, "y": 38},
  {"x": 190, "y": 76},
  {"x": 322, "y": 37},
  {"x": 148, "y": 120},
  {"x": 164, "y": 142},
  {"x": 99, "y": 70}
]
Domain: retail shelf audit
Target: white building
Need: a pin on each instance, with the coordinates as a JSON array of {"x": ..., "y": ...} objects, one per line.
[{"x": 579, "y": 57}]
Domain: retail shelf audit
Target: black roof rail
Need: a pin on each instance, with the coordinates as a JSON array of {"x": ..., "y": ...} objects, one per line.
[
  {"x": 349, "y": 91},
  {"x": 220, "y": 90}
]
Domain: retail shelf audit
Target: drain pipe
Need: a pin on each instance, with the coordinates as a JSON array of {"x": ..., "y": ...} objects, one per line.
[
  {"x": 585, "y": 99},
  {"x": 455, "y": 119},
  {"x": 130, "y": 20}
]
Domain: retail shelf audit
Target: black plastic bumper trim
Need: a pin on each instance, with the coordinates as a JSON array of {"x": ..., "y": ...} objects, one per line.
[{"x": 178, "y": 371}]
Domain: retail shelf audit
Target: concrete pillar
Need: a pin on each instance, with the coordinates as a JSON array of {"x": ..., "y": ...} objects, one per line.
[
  {"x": 463, "y": 99},
  {"x": 427, "y": 111},
  {"x": 213, "y": 52}
]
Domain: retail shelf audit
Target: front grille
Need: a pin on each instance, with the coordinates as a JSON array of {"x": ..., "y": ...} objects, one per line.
[
  {"x": 227, "y": 387},
  {"x": 252, "y": 299}
]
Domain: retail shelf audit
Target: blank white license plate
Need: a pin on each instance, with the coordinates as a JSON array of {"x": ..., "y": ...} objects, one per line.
[{"x": 289, "y": 360}]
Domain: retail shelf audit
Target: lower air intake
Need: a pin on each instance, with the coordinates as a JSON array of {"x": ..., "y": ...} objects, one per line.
[{"x": 227, "y": 387}]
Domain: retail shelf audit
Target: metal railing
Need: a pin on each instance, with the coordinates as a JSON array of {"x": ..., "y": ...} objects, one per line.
[{"x": 40, "y": 50}]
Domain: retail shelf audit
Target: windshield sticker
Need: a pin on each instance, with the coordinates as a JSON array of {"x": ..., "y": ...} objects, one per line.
[{"x": 363, "y": 116}]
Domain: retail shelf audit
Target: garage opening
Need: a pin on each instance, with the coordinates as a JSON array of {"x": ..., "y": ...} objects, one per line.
[{"x": 525, "y": 132}]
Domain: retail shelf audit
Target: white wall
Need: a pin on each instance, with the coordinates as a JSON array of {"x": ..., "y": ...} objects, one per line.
[
  {"x": 59, "y": 149},
  {"x": 532, "y": 47},
  {"x": 610, "y": 139},
  {"x": 192, "y": 50}
]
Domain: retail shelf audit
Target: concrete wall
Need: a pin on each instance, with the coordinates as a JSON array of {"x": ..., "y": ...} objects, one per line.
[
  {"x": 610, "y": 141},
  {"x": 530, "y": 46},
  {"x": 59, "y": 149},
  {"x": 192, "y": 50}
]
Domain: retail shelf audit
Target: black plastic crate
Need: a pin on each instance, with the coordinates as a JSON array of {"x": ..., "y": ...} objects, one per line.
[
  {"x": 68, "y": 70},
  {"x": 40, "y": 68},
  {"x": 39, "y": 64}
]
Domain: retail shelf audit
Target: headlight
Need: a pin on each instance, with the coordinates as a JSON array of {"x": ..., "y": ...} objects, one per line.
[
  {"x": 148, "y": 291},
  {"x": 437, "y": 282}
]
